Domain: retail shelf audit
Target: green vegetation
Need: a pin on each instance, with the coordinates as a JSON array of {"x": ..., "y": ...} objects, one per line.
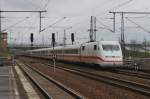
[
  {"x": 137, "y": 54},
  {"x": 3, "y": 52}
]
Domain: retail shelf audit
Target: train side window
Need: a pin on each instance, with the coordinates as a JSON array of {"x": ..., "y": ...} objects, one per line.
[
  {"x": 95, "y": 47},
  {"x": 83, "y": 48},
  {"x": 72, "y": 51}
]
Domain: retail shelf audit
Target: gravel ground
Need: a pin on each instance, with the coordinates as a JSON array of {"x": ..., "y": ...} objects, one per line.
[
  {"x": 112, "y": 74},
  {"x": 89, "y": 88},
  {"x": 142, "y": 63},
  {"x": 109, "y": 74}
]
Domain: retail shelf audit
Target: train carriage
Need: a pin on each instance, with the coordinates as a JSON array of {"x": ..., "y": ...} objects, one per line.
[{"x": 103, "y": 53}]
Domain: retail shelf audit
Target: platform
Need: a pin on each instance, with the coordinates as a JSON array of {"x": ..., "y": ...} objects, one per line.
[{"x": 8, "y": 88}]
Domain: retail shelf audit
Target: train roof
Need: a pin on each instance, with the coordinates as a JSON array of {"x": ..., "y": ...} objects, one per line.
[
  {"x": 57, "y": 48},
  {"x": 109, "y": 42},
  {"x": 101, "y": 42},
  {"x": 74, "y": 46}
]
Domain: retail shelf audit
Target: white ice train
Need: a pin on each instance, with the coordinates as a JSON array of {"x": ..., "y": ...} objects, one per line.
[{"x": 103, "y": 53}]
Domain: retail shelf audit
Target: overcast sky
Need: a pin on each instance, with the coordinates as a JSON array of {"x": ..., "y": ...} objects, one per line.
[{"x": 77, "y": 13}]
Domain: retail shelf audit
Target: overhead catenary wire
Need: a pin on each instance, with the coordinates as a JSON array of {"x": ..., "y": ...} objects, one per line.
[
  {"x": 46, "y": 4},
  {"x": 139, "y": 26},
  {"x": 53, "y": 24},
  {"x": 38, "y": 6},
  {"x": 121, "y": 5},
  {"x": 140, "y": 17},
  {"x": 20, "y": 21},
  {"x": 87, "y": 18},
  {"x": 105, "y": 23},
  {"x": 31, "y": 3},
  {"x": 115, "y": 7},
  {"x": 105, "y": 26},
  {"x": 79, "y": 23}
]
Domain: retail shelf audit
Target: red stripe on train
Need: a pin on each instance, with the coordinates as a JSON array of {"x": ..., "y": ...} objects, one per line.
[{"x": 91, "y": 57}]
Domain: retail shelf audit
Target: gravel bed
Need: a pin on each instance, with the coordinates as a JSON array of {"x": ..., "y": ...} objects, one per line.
[
  {"x": 89, "y": 88},
  {"x": 107, "y": 73}
]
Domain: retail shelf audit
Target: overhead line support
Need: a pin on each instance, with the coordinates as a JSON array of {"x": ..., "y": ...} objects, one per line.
[
  {"x": 23, "y": 11},
  {"x": 17, "y": 12},
  {"x": 122, "y": 34},
  {"x": 122, "y": 25},
  {"x": 131, "y": 12},
  {"x": 114, "y": 26},
  {"x": 40, "y": 22}
]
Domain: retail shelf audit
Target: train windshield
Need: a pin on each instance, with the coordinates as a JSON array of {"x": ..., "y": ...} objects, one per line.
[{"x": 110, "y": 47}]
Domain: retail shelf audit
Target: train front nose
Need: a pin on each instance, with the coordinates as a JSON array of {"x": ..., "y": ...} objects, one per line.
[{"x": 113, "y": 61}]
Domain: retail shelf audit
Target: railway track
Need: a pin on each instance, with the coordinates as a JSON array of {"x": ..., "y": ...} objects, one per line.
[
  {"x": 49, "y": 87},
  {"x": 130, "y": 85},
  {"x": 133, "y": 73}
]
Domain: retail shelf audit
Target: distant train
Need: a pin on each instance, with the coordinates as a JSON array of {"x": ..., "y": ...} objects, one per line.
[{"x": 103, "y": 53}]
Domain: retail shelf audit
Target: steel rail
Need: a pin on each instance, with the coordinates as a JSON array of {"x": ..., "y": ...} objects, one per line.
[
  {"x": 130, "y": 85},
  {"x": 65, "y": 88},
  {"x": 133, "y": 73},
  {"x": 42, "y": 90}
]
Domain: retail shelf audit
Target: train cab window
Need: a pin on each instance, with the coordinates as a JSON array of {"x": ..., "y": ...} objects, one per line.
[
  {"x": 110, "y": 47},
  {"x": 83, "y": 48},
  {"x": 95, "y": 47}
]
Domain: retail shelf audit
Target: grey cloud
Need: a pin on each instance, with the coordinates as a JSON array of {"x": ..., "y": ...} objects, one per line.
[{"x": 78, "y": 14}]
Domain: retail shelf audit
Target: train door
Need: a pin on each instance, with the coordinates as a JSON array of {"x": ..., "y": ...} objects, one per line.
[{"x": 83, "y": 50}]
